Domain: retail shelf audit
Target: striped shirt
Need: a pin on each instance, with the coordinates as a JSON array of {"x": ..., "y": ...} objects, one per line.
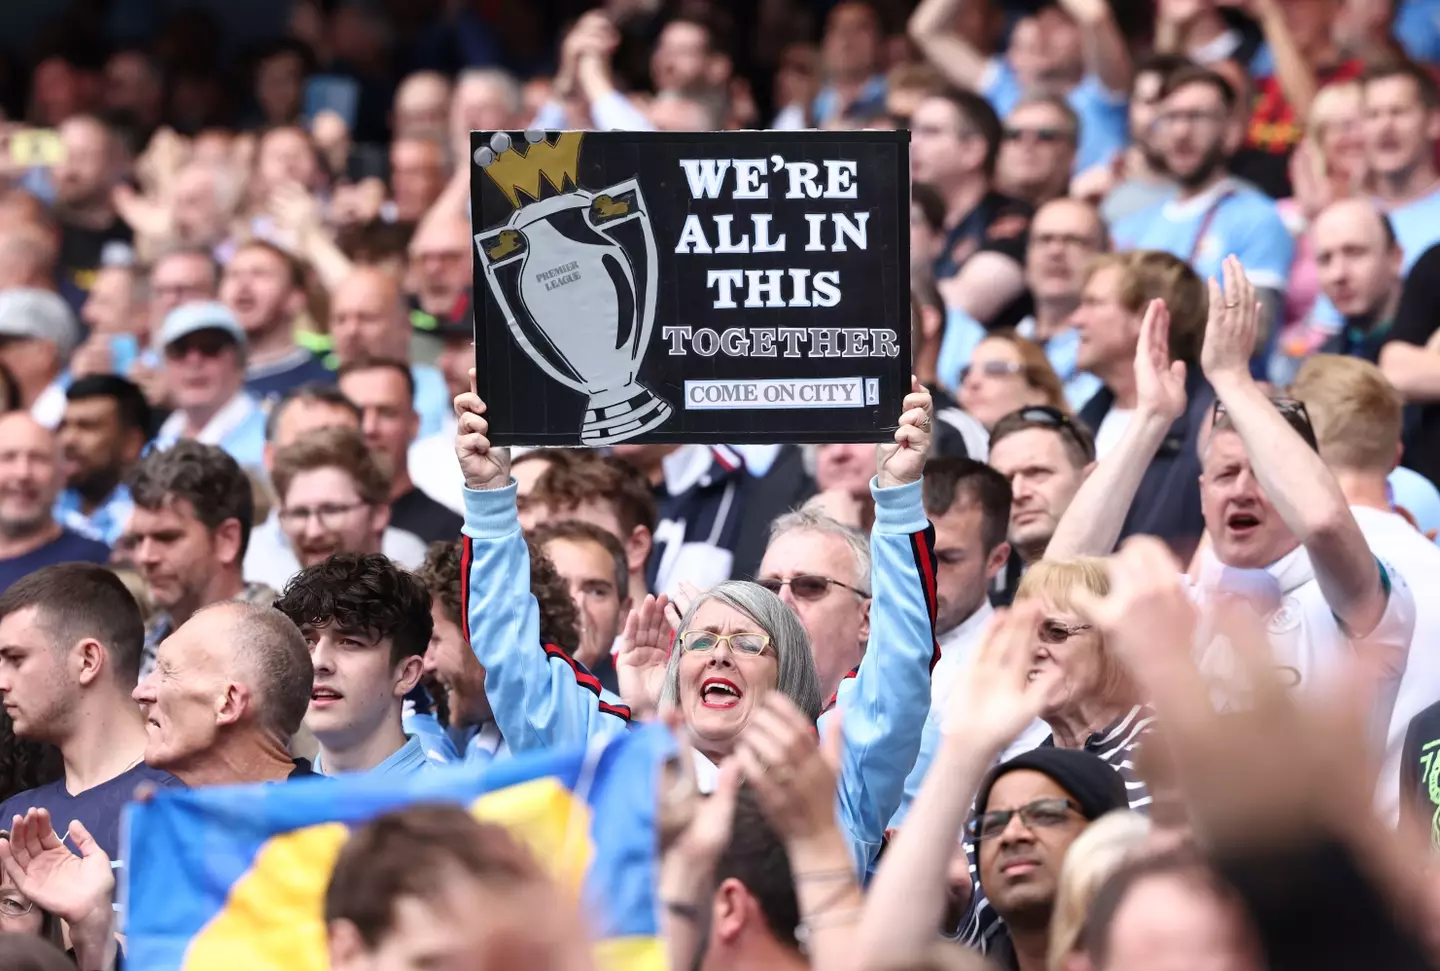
[{"x": 1116, "y": 745}]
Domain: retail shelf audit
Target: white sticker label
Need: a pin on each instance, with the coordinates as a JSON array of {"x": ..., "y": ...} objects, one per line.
[{"x": 773, "y": 394}]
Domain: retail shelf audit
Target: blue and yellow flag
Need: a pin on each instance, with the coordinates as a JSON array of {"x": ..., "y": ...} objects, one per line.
[{"x": 234, "y": 878}]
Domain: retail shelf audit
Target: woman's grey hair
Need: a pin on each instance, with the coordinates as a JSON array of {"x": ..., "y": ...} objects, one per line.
[
  {"x": 796, "y": 676},
  {"x": 814, "y": 521}
]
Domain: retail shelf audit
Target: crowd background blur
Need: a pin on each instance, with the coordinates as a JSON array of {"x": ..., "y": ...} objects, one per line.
[{"x": 1122, "y": 652}]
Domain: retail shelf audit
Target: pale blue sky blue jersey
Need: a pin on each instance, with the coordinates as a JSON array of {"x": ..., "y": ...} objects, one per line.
[
  {"x": 543, "y": 698},
  {"x": 1244, "y": 222},
  {"x": 1104, "y": 118}
]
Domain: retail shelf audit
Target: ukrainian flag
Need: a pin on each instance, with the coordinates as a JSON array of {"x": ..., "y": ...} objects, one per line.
[{"x": 234, "y": 878}]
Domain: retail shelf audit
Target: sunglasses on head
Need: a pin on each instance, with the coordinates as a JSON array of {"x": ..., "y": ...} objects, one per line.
[
  {"x": 1291, "y": 409},
  {"x": 807, "y": 586}
]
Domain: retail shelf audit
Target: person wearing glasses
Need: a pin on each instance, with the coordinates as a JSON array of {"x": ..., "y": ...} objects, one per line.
[
  {"x": 1007, "y": 373},
  {"x": 333, "y": 495},
  {"x": 1037, "y": 149},
  {"x": 204, "y": 365},
  {"x": 1212, "y": 214},
  {"x": 735, "y": 642},
  {"x": 1018, "y": 819},
  {"x": 1282, "y": 536}
]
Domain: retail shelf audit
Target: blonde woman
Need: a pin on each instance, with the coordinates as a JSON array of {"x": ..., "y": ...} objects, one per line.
[
  {"x": 1006, "y": 373},
  {"x": 1108, "y": 842}
]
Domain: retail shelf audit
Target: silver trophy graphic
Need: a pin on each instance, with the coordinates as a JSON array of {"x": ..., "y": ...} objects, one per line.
[{"x": 574, "y": 275}]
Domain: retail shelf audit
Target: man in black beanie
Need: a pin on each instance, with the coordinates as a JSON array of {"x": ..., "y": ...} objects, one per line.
[{"x": 1028, "y": 812}]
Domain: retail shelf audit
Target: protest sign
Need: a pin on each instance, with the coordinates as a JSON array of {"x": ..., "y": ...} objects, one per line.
[{"x": 723, "y": 287}]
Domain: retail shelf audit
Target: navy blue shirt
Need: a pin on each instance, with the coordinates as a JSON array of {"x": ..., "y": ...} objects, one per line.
[
  {"x": 273, "y": 381},
  {"x": 68, "y": 547},
  {"x": 97, "y": 807}
]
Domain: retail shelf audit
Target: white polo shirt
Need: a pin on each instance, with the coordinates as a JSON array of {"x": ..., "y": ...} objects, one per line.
[
  {"x": 1307, "y": 641},
  {"x": 1417, "y": 560}
]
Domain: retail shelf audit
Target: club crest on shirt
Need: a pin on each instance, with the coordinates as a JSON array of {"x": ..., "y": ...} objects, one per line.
[{"x": 1286, "y": 617}]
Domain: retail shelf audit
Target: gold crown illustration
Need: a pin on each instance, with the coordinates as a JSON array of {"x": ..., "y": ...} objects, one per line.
[{"x": 519, "y": 170}]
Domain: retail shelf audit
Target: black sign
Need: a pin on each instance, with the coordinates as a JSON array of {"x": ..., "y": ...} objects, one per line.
[{"x": 699, "y": 287}]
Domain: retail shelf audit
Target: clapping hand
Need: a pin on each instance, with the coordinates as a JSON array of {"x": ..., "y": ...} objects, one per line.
[
  {"x": 1000, "y": 691},
  {"x": 644, "y": 654},
  {"x": 792, "y": 776},
  {"x": 73, "y": 888},
  {"x": 483, "y": 466},
  {"x": 1159, "y": 381},
  {"x": 1231, "y": 327},
  {"x": 903, "y": 461}
]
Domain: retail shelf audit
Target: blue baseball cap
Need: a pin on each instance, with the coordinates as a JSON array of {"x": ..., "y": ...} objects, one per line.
[{"x": 190, "y": 318}]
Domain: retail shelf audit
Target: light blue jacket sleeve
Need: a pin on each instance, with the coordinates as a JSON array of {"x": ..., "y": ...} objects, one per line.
[
  {"x": 540, "y": 696},
  {"x": 885, "y": 703}
]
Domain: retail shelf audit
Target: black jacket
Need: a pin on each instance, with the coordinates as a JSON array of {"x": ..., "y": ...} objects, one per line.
[{"x": 1167, "y": 504}]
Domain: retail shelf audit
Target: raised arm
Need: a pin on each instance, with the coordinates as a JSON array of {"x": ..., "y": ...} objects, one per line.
[
  {"x": 953, "y": 56},
  {"x": 1292, "y": 474},
  {"x": 1106, "y": 54},
  {"x": 1092, "y": 523},
  {"x": 541, "y": 696},
  {"x": 992, "y": 702},
  {"x": 1295, "y": 75},
  {"x": 884, "y": 705}
]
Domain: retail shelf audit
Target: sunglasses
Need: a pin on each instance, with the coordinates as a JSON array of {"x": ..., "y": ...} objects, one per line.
[
  {"x": 992, "y": 369},
  {"x": 1291, "y": 409},
  {"x": 741, "y": 642},
  {"x": 807, "y": 586},
  {"x": 208, "y": 343},
  {"x": 1040, "y": 814},
  {"x": 1049, "y": 417},
  {"x": 1045, "y": 136}
]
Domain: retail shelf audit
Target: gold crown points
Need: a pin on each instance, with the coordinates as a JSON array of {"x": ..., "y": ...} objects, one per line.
[{"x": 519, "y": 170}]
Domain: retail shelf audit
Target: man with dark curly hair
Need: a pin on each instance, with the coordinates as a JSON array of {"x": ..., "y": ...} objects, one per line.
[
  {"x": 367, "y": 624},
  {"x": 462, "y": 727}
]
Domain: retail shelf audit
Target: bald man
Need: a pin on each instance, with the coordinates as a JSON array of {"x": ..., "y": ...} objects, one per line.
[
  {"x": 369, "y": 322},
  {"x": 441, "y": 262},
  {"x": 93, "y": 165},
  {"x": 422, "y": 106},
  {"x": 1360, "y": 264},
  {"x": 417, "y": 176},
  {"x": 30, "y": 538},
  {"x": 229, "y": 690}
]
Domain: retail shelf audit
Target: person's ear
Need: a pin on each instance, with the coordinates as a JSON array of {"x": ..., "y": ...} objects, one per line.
[
  {"x": 380, "y": 518},
  {"x": 134, "y": 445},
  {"x": 1085, "y": 472},
  {"x": 89, "y": 657},
  {"x": 234, "y": 703},
  {"x": 729, "y": 911},
  {"x": 407, "y": 674},
  {"x": 346, "y": 946},
  {"x": 865, "y": 622},
  {"x": 996, "y": 561},
  {"x": 226, "y": 541},
  {"x": 637, "y": 548}
]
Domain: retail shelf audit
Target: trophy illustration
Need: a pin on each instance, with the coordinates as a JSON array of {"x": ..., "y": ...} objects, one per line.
[{"x": 574, "y": 275}]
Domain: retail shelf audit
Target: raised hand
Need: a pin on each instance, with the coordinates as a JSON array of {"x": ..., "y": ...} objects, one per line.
[
  {"x": 644, "y": 653},
  {"x": 995, "y": 696},
  {"x": 792, "y": 776},
  {"x": 483, "y": 466},
  {"x": 1230, "y": 329},
  {"x": 71, "y": 887},
  {"x": 1159, "y": 381},
  {"x": 903, "y": 461}
]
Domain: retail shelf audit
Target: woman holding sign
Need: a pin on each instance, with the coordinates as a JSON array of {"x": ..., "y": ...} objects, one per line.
[{"x": 735, "y": 643}]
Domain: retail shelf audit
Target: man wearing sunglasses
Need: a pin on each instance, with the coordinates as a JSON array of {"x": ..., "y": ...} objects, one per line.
[
  {"x": 204, "y": 347},
  {"x": 1037, "y": 149}
]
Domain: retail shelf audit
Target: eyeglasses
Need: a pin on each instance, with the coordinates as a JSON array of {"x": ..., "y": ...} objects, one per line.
[
  {"x": 992, "y": 369},
  {"x": 329, "y": 516},
  {"x": 807, "y": 586},
  {"x": 1291, "y": 409},
  {"x": 1040, "y": 814},
  {"x": 740, "y": 642},
  {"x": 1045, "y": 136},
  {"x": 1054, "y": 632},
  {"x": 209, "y": 343},
  {"x": 15, "y": 906}
]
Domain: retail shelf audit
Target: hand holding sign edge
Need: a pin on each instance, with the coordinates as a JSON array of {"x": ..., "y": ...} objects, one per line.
[{"x": 483, "y": 466}]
